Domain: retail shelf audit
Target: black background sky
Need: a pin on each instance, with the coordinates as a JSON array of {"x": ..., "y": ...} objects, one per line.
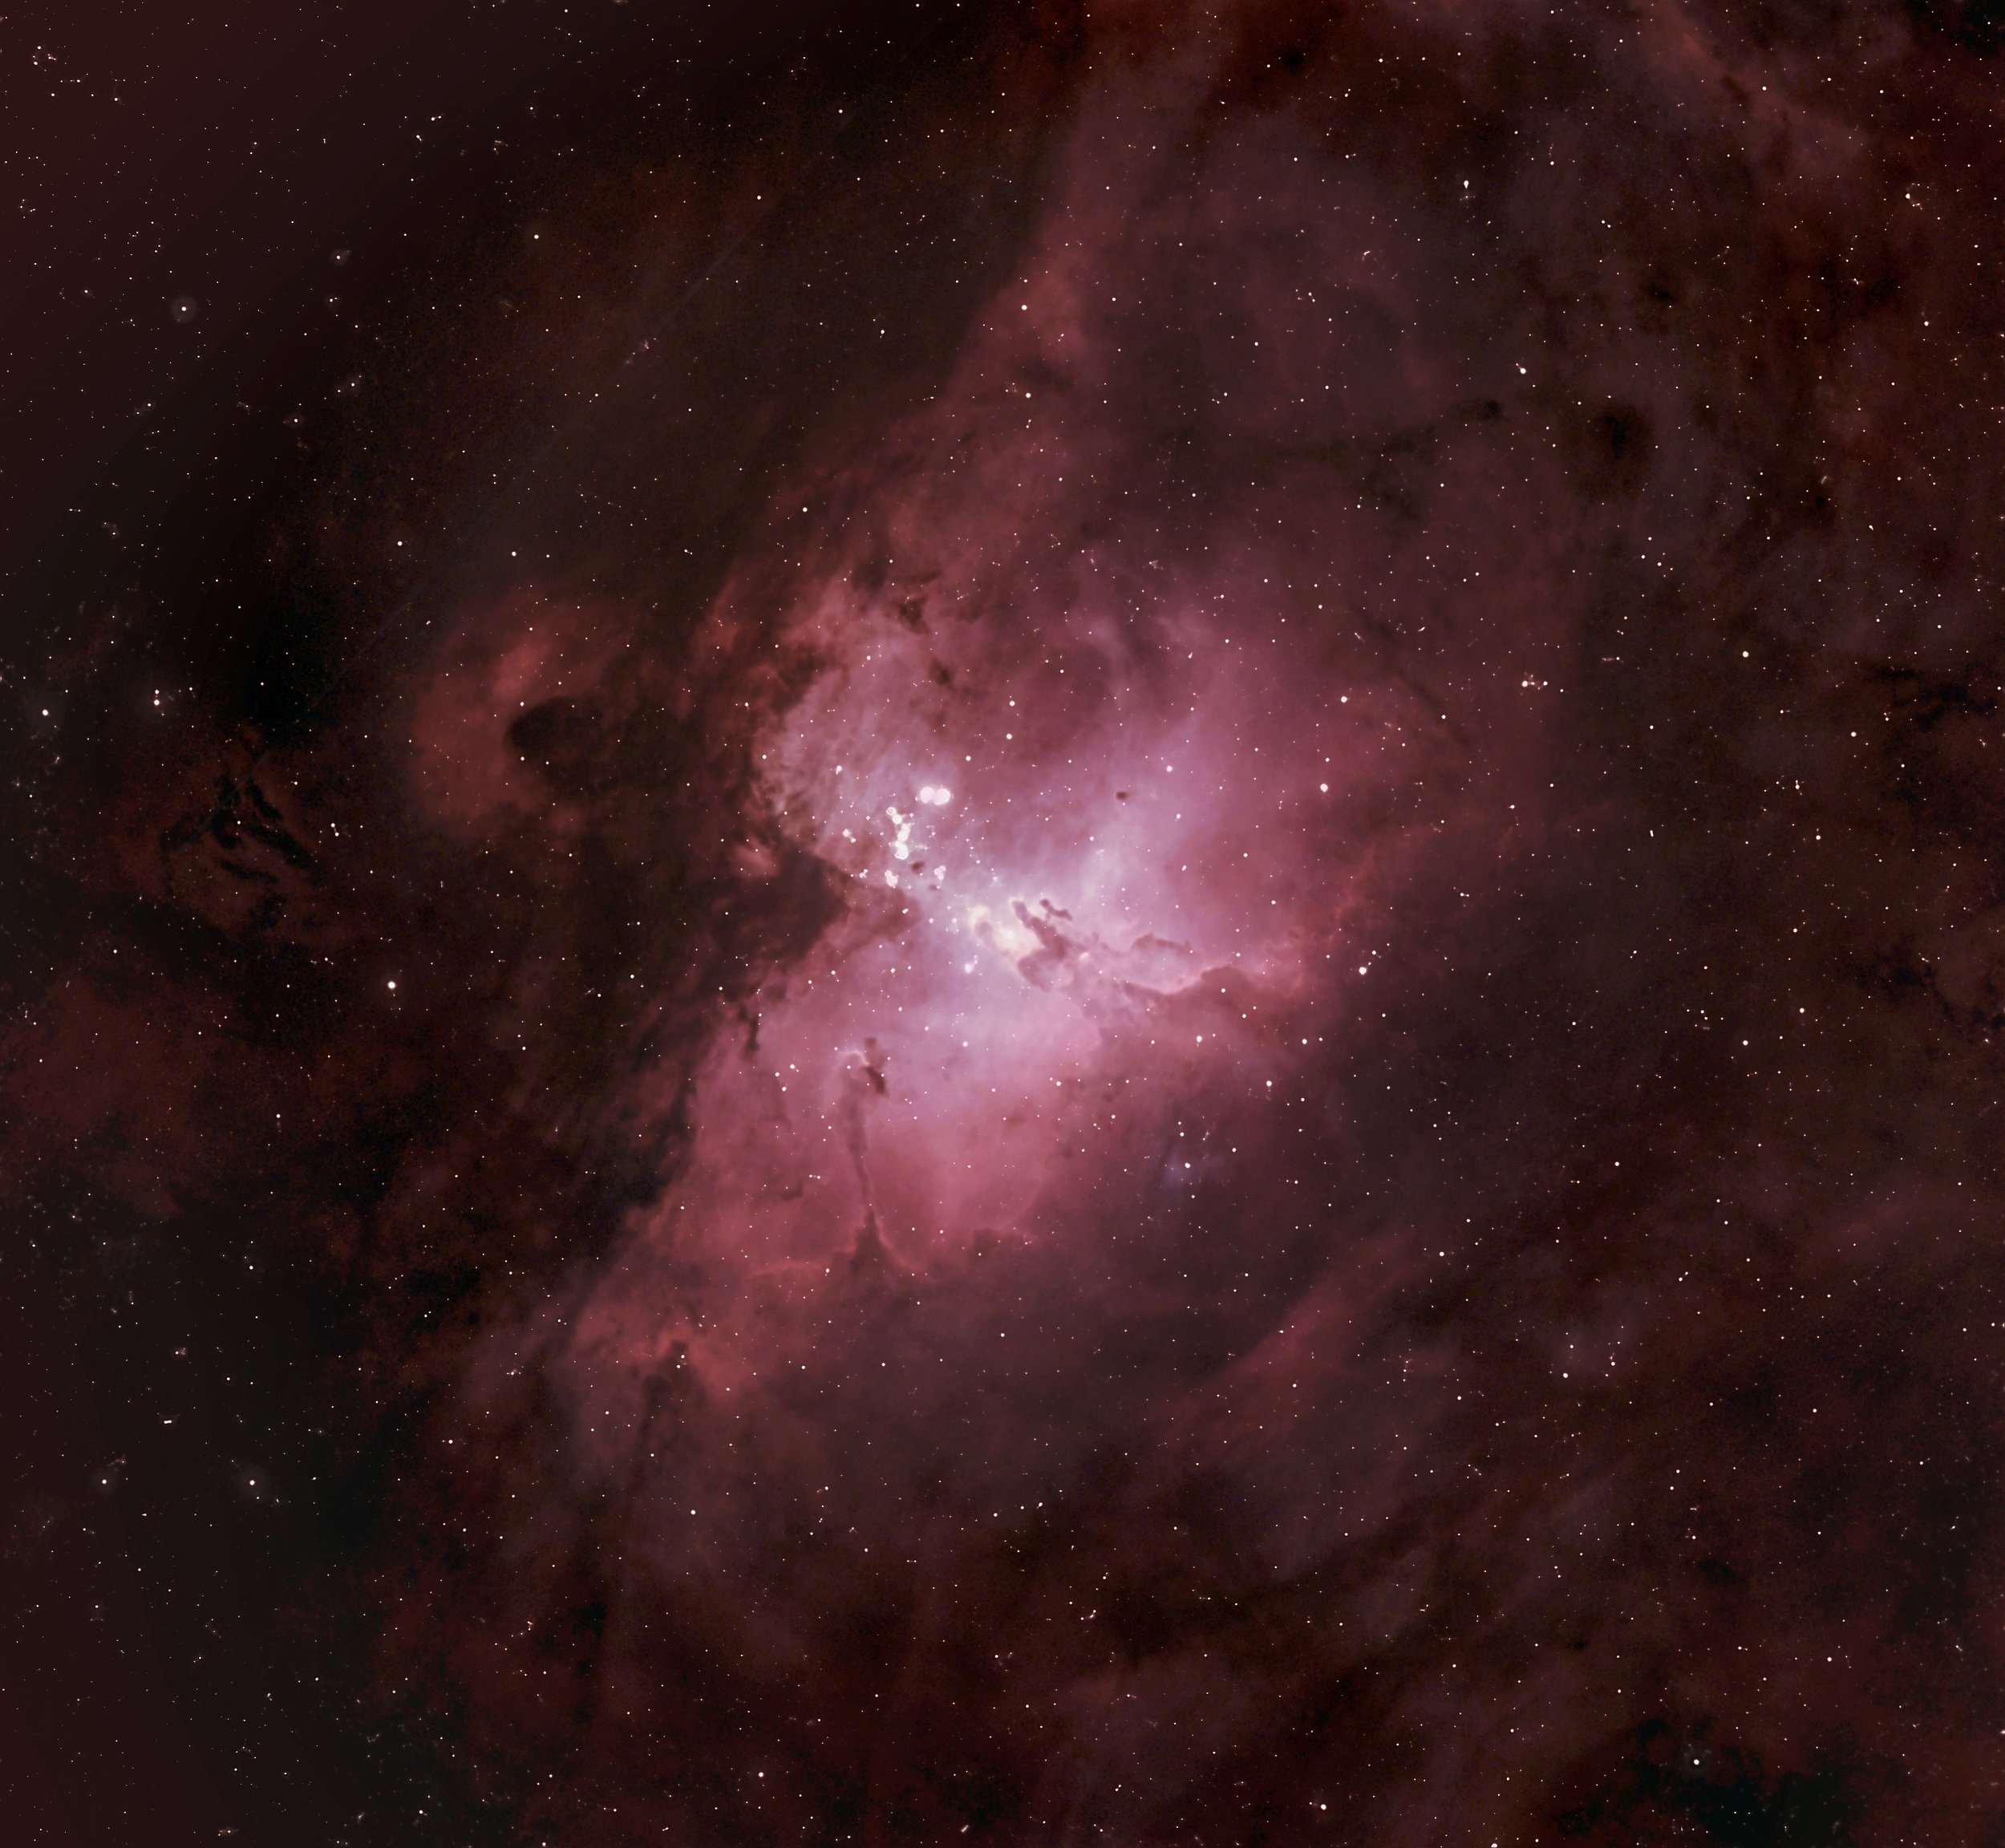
[{"x": 1036, "y": 923}]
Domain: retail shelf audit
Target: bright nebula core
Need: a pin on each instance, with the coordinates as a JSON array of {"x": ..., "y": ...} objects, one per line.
[{"x": 1085, "y": 927}]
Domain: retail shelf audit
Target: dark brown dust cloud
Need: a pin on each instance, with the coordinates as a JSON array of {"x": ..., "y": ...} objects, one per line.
[{"x": 1055, "y": 925}]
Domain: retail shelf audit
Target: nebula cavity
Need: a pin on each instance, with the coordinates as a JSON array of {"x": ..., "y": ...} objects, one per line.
[{"x": 1156, "y": 1001}]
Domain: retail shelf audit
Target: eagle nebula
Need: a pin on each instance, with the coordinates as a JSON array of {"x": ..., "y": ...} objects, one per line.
[{"x": 1079, "y": 926}]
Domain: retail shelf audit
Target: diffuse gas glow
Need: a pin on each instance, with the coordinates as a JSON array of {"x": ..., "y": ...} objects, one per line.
[{"x": 1195, "y": 964}]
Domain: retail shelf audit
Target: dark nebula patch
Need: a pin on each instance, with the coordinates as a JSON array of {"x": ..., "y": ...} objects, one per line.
[{"x": 1084, "y": 924}]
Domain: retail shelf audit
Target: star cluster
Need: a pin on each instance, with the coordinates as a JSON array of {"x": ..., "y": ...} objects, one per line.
[{"x": 1141, "y": 986}]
